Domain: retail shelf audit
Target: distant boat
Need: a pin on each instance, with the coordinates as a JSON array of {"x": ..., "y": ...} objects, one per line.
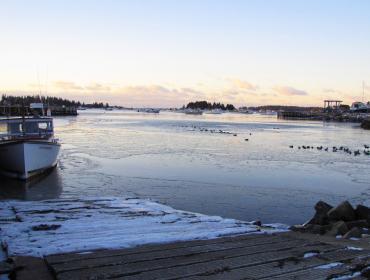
[
  {"x": 108, "y": 109},
  {"x": 27, "y": 146},
  {"x": 215, "y": 112},
  {"x": 193, "y": 112},
  {"x": 267, "y": 112},
  {"x": 249, "y": 112},
  {"x": 360, "y": 107},
  {"x": 149, "y": 110}
]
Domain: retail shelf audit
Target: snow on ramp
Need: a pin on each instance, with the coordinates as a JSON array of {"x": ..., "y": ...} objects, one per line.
[{"x": 38, "y": 228}]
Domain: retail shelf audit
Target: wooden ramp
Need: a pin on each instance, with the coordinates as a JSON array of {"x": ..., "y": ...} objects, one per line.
[{"x": 280, "y": 256}]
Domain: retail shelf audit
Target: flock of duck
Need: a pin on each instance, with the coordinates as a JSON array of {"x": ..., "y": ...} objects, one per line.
[
  {"x": 334, "y": 149},
  {"x": 220, "y": 131}
]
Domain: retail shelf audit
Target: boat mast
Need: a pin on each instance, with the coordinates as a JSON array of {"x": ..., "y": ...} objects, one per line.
[
  {"x": 363, "y": 92},
  {"x": 23, "y": 119}
]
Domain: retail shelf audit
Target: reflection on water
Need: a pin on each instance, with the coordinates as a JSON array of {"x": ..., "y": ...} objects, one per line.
[{"x": 44, "y": 186}]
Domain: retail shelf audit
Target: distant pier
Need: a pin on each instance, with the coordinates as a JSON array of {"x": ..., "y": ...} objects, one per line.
[{"x": 323, "y": 116}]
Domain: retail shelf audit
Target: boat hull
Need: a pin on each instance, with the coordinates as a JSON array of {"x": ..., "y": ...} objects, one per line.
[{"x": 24, "y": 159}]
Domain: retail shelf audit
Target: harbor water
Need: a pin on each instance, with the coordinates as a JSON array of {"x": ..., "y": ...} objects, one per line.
[{"x": 232, "y": 165}]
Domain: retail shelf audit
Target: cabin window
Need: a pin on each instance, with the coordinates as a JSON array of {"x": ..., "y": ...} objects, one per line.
[
  {"x": 3, "y": 128},
  {"x": 15, "y": 128},
  {"x": 43, "y": 126},
  {"x": 31, "y": 127}
]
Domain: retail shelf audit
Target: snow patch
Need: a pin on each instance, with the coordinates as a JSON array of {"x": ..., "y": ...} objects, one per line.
[
  {"x": 67, "y": 225},
  {"x": 329, "y": 265},
  {"x": 354, "y": 248},
  {"x": 310, "y": 255}
]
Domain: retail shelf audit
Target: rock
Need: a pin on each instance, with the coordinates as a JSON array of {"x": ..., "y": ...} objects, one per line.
[
  {"x": 338, "y": 228},
  {"x": 257, "y": 223},
  {"x": 353, "y": 233},
  {"x": 310, "y": 228},
  {"x": 366, "y": 272},
  {"x": 321, "y": 217},
  {"x": 365, "y": 124},
  {"x": 314, "y": 229},
  {"x": 45, "y": 227},
  {"x": 325, "y": 228},
  {"x": 362, "y": 212},
  {"x": 358, "y": 223},
  {"x": 5, "y": 267},
  {"x": 344, "y": 211},
  {"x": 322, "y": 207},
  {"x": 298, "y": 228}
]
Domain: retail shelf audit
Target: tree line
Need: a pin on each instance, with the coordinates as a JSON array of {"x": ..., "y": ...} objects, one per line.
[
  {"x": 10, "y": 100},
  {"x": 204, "y": 105}
]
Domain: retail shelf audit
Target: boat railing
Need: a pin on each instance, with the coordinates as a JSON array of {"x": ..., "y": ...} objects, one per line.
[{"x": 26, "y": 135}]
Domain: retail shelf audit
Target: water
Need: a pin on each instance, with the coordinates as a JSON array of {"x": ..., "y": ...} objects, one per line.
[{"x": 168, "y": 158}]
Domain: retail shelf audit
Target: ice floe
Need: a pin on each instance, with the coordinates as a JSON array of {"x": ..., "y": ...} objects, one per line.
[{"x": 64, "y": 225}]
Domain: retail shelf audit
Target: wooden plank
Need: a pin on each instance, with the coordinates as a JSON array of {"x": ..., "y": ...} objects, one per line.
[
  {"x": 259, "y": 244},
  {"x": 212, "y": 251},
  {"x": 285, "y": 266},
  {"x": 345, "y": 270},
  {"x": 30, "y": 268},
  {"x": 174, "y": 267},
  {"x": 314, "y": 274},
  {"x": 253, "y": 266},
  {"x": 269, "y": 270},
  {"x": 253, "y": 238},
  {"x": 311, "y": 274}
]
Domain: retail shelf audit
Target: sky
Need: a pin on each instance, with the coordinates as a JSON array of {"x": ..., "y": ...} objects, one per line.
[{"x": 165, "y": 53}]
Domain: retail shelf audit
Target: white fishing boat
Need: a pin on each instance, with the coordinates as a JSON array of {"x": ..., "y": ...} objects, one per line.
[
  {"x": 215, "y": 112},
  {"x": 193, "y": 112},
  {"x": 267, "y": 112},
  {"x": 27, "y": 146}
]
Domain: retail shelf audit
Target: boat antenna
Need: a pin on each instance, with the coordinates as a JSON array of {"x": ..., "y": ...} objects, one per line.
[
  {"x": 363, "y": 91},
  {"x": 23, "y": 118},
  {"x": 38, "y": 80}
]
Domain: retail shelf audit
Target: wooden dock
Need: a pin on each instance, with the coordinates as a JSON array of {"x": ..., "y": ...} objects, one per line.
[{"x": 273, "y": 256}]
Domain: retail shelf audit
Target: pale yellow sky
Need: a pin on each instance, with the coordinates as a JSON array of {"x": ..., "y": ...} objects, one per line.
[{"x": 165, "y": 55}]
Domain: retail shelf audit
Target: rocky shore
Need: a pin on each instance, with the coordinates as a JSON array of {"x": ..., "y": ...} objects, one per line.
[
  {"x": 341, "y": 221},
  {"x": 366, "y": 124}
]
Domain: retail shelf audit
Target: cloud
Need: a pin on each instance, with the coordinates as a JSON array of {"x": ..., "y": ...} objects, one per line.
[
  {"x": 97, "y": 87},
  {"x": 67, "y": 85},
  {"x": 243, "y": 85},
  {"x": 73, "y": 87},
  {"x": 155, "y": 96},
  {"x": 290, "y": 91},
  {"x": 329, "y": 90}
]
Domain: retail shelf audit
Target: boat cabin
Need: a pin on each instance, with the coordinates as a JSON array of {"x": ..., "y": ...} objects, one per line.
[{"x": 26, "y": 128}]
